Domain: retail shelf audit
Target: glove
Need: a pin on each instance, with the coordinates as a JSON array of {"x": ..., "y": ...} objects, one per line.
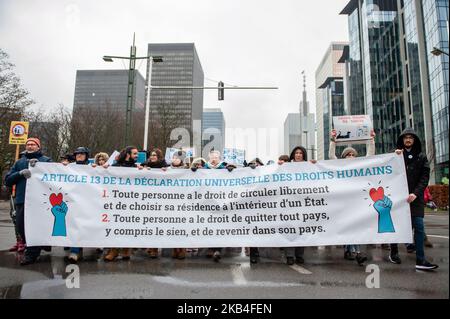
[
  {"x": 230, "y": 168},
  {"x": 33, "y": 162},
  {"x": 252, "y": 166},
  {"x": 194, "y": 169},
  {"x": 25, "y": 173}
]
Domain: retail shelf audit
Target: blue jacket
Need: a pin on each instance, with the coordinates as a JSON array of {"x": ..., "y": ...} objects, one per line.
[{"x": 14, "y": 178}]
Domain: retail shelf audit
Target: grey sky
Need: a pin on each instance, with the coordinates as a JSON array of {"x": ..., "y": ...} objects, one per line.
[{"x": 241, "y": 42}]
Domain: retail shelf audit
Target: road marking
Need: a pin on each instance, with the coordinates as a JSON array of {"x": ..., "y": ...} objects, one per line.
[
  {"x": 301, "y": 270},
  {"x": 436, "y": 236},
  {"x": 221, "y": 284},
  {"x": 238, "y": 275}
]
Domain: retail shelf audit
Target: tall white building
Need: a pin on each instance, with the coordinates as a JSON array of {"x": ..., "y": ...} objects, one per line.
[
  {"x": 329, "y": 95},
  {"x": 292, "y": 137}
]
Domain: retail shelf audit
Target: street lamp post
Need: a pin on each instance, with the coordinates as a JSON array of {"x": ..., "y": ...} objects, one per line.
[
  {"x": 438, "y": 52},
  {"x": 131, "y": 85},
  {"x": 151, "y": 59}
]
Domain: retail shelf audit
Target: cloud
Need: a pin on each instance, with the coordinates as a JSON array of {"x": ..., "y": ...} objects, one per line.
[{"x": 239, "y": 42}]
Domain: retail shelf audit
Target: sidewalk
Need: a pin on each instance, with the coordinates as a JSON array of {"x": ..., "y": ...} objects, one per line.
[{"x": 7, "y": 237}]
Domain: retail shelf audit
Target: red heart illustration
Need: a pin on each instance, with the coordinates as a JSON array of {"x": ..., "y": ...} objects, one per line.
[
  {"x": 377, "y": 194},
  {"x": 56, "y": 199}
]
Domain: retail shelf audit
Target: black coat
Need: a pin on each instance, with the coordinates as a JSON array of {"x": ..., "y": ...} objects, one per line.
[
  {"x": 14, "y": 178},
  {"x": 130, "y": 163},
  {"x": 158, "y": 164},
  {"x": 417, "y": 172}
]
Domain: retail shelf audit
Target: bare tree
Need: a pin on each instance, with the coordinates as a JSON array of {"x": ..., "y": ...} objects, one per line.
[
  {"x": 53, "y": 129},
  {"x": 14, "y": 100},
  {"x": 101, "y": 129},
  {"x": 165, "y": 118}
]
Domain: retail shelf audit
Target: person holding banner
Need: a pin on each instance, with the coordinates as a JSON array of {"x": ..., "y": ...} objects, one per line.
[
  {"x": 295, "y": 254},
  {"x": 283, "y": 159},
  {"x": 18, "y": 176},
  {"x": 81, "y": 156},
  {"x": 254, "y": 251},
  {"x": 127, "y": 158},
  {"x": 101, "y": 159},
  {"x": 20, "y": 244},
  {"x": 215, "y": 163},
  {"x": 155, "y": 160},
  {"x": 198, "y": 163},
  {"x": 418, "y": 175},
  {"x": 352, "y": 252},
  {"x": 178, "y": 159}
]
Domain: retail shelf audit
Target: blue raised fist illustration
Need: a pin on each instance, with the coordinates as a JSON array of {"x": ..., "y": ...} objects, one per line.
[
  {"x": 383, "y": 207},
  {"x": 59, "y": 226}
]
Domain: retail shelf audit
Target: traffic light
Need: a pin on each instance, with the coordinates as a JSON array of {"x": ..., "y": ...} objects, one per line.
[{"x": 221, "y": 91}]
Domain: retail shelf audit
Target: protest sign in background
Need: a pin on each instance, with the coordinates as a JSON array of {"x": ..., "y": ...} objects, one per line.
[
  {"x": 352, "y": 128},
  {"x": 234, "y": 156}
]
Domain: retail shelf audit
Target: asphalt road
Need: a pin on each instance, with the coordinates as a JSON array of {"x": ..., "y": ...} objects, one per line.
[{"x": 325, "y": 273}]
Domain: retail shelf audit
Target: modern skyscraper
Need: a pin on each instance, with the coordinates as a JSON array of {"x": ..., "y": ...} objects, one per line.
[
  {"x": 100, "y": 88},
  {"x": 100, "y": 109},
  {"x": 292, "y": 131},
  {"x": 329, "y": 95},
  {"x": 435, "y": 15},
  {"x": 307, "y": 124},
  {"x": 176, "y": 108},
  {"x": 404, "y": 84},
  {"x": 213, "y": 131}
]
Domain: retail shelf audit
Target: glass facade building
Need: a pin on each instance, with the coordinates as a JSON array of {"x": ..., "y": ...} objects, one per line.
[
  {"x": 404, "y": 84},
  {"x": 213, "y": 130},
  {"x": 330, "y": 96},
  {"x": 352, "y": 57},
  {"x": 333, "y": 105},
  {"x": 181, "y": 67},
  {"x": 97, "y": 88},
  {"x": 435, "y": 23}
]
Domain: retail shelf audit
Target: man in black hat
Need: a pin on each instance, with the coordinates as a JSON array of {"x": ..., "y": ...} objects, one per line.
[{"x": 418, "y": 175}]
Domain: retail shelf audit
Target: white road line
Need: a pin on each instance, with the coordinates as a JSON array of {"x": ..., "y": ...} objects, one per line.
[
  {"x": 238, "y": 275},
  {"x": 436, "y": 236},
  {"x": 301, "y": 270}
]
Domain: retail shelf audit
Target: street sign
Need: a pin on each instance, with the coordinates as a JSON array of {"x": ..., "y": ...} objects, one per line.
[{"x": 18, "y": 133}]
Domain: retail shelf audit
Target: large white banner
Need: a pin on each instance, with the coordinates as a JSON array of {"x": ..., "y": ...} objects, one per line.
[{"x": 358, "y": 201}]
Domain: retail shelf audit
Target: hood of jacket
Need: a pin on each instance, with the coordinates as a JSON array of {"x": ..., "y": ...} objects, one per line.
[{"x": 417, "y": 146}]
